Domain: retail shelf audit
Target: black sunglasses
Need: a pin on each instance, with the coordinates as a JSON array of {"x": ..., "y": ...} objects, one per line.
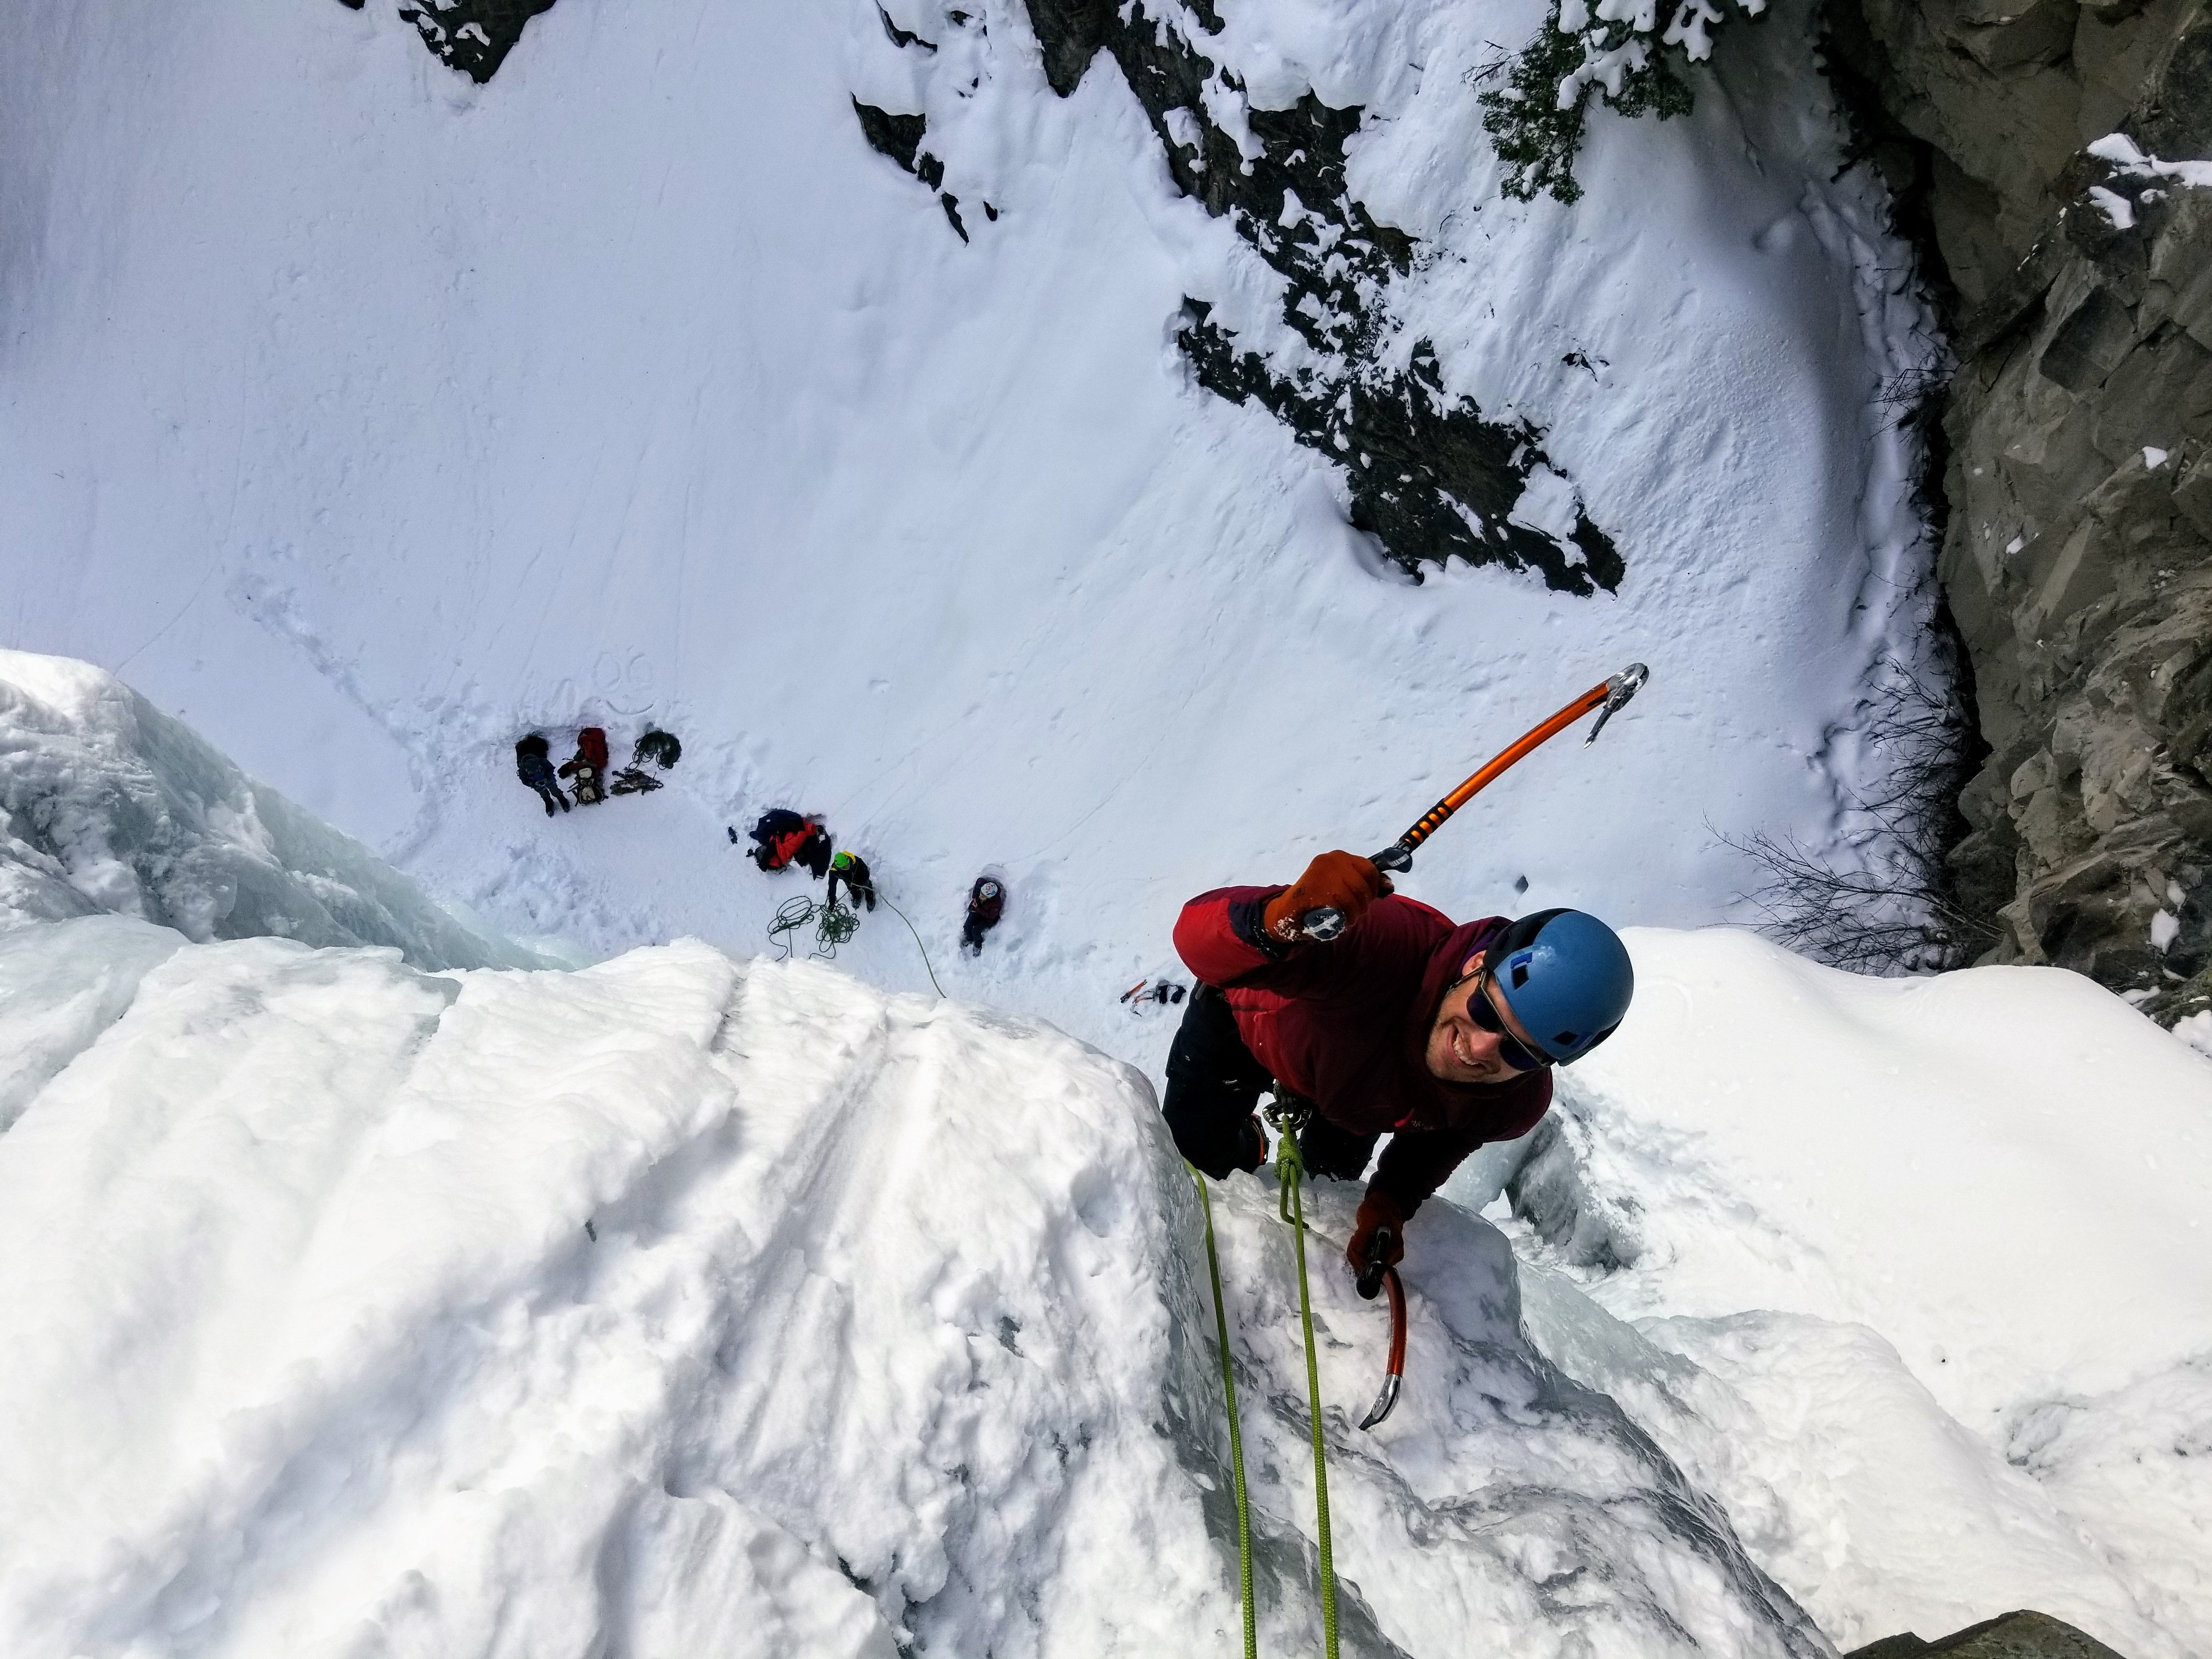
[{"x": 1484, "y": 1012}]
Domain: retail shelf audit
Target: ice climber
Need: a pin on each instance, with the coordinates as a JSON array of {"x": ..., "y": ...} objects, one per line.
[
  {"x": 533, "y": 764},
  {"x": 783, "y": 838},
  {"x": 1443, "y": 1036},
  {"x": 853, "y": 870},
  {"x": 588, "y": 766},
  {"x": 987, "y": 902}
]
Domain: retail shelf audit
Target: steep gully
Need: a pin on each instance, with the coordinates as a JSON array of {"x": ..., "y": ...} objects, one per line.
[{"x": 2075, "y": 493}]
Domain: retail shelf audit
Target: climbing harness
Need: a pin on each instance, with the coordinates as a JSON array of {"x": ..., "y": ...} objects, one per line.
[
  {"x": 1325, "y": 921},
  {"x": 1290, "y": 1167},
  {"x": 1236, "y": 1433}
]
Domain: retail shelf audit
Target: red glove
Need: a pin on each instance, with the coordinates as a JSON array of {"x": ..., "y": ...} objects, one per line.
[
  {"x": 1343, "y": 881},
  {"x": 1377, "y": 1210}
]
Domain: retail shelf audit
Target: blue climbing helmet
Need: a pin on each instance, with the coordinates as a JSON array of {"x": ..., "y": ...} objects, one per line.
[{"x": 1567, "y": 978}]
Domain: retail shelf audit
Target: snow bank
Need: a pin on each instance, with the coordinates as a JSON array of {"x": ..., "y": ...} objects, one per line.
[
  {"x": 674, "y": 1306},
  {"x": 61, "y": 986},
  {"x": 107, "y": 804},
  {"x": 1915, "y": 1269}
]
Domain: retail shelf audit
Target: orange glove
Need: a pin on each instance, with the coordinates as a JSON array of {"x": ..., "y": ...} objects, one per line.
[
  {"x": 1344, "y": 881},
  {"x": 1377, "y": 1210}
]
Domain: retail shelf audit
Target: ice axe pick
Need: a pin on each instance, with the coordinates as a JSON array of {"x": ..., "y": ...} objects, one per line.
[
  {"x": 1374, "y": 1276},
  {"x": 1325, "y": 921}
]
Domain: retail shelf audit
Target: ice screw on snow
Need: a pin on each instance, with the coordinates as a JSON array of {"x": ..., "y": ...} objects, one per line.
[{"x": 1325, "y": 921}]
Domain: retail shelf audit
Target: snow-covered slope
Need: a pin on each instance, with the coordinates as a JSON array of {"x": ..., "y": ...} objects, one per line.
[
  {"x": 106, "y": 805},
  {"x": 675, "y": 1306},
  {"x": 360, "y": 1309},
  {"x": 368, "y": 417},
  {"x": 1937, "y": 1251}
]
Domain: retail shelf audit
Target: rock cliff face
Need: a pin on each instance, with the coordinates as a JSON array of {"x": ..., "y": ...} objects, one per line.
[
  {"x": 2076, "y": 268},
  {"x": 2014, "y": 1636}
]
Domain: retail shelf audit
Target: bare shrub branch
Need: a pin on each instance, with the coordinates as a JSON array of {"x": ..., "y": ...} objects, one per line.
[{"x": 1886, "y": 903}]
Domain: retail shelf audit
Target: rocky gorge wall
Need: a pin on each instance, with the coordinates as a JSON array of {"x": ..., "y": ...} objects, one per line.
[{"x": 2076, "y": 271}]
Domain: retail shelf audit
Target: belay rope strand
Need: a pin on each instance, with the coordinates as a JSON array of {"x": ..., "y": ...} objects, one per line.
[
  {"x": 918, "y": 946},
  {"x": 1235, "y": 1434},
  {"x": 1291, "y": 1168},
  {"x": 836, "y": 924}
]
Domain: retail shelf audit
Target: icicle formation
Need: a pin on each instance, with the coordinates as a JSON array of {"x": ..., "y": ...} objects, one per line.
[{"x": 1536, "y": 118}]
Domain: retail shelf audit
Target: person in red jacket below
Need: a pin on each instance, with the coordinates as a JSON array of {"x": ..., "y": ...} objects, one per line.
[{"x": 1441, "y": 1035}]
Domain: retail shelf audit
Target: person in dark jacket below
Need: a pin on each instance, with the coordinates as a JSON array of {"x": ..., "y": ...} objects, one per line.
[
  {"x": 1442, "y": 1034},
  {"x": 588, "y": 766},
  {"x": 987, "y": 902},
  {"x": 853, "y": 870},
  {"x": 533, "y": 764},
  {"x": 783, "y": 838}
]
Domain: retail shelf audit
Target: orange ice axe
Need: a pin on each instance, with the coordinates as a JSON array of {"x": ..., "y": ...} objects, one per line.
[{"x": 1325, "y": 921}]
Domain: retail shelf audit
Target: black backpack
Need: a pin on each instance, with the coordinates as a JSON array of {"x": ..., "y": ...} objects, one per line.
[{"x": 776, "y": 821}]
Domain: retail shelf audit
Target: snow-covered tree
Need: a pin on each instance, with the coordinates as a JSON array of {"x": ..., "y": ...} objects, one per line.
[{"x": 1615, "y": 47}]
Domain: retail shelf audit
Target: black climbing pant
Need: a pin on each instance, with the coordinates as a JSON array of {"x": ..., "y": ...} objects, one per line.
[{"x": 1214, "y": 1086}]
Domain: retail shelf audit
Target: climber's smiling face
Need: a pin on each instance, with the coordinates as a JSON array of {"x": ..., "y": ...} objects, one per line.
[{"x": 1475, "y": 1038}]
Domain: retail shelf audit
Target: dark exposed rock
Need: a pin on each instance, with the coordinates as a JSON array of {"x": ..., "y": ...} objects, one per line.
[
  {"x": 900, "y": 37},
  {"x": 2014, "y": 1635},
  {"x": 2077, "y": 556},
  {"x": 900, "y": 137},
  {"x": 1430, "y": 478},
  {"x": 1413, "y": 457},
  {"x": 473, "y": 36}
]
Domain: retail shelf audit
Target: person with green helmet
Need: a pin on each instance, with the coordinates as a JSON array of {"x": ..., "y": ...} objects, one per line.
[
  {"x": 1441, "y": 1035},
  {"x": 853, "y": 870}
]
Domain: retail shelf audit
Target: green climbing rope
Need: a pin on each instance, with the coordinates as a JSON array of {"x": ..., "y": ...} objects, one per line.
[
  {"x": 1235, "y": 1434},
  {"x": 834, "y": 925},
  {"x": 1291, "y": 1168},
  {"x": 918, "y": 946},
  {"x": 791, "y": 915}
]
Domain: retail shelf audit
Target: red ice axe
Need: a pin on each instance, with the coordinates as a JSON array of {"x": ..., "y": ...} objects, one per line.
[
  {"x": 1372, "y": 1277},
  {"x": 1325, "y": 921}
]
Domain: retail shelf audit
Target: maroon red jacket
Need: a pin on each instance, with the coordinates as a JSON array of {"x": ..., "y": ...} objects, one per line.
[{"x": 1346, "y": 1025}]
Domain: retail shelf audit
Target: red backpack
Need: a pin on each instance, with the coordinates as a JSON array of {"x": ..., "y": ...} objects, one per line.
[
  {"x": 784, "y": 847},
  {"x": 591, "y": 744}
]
